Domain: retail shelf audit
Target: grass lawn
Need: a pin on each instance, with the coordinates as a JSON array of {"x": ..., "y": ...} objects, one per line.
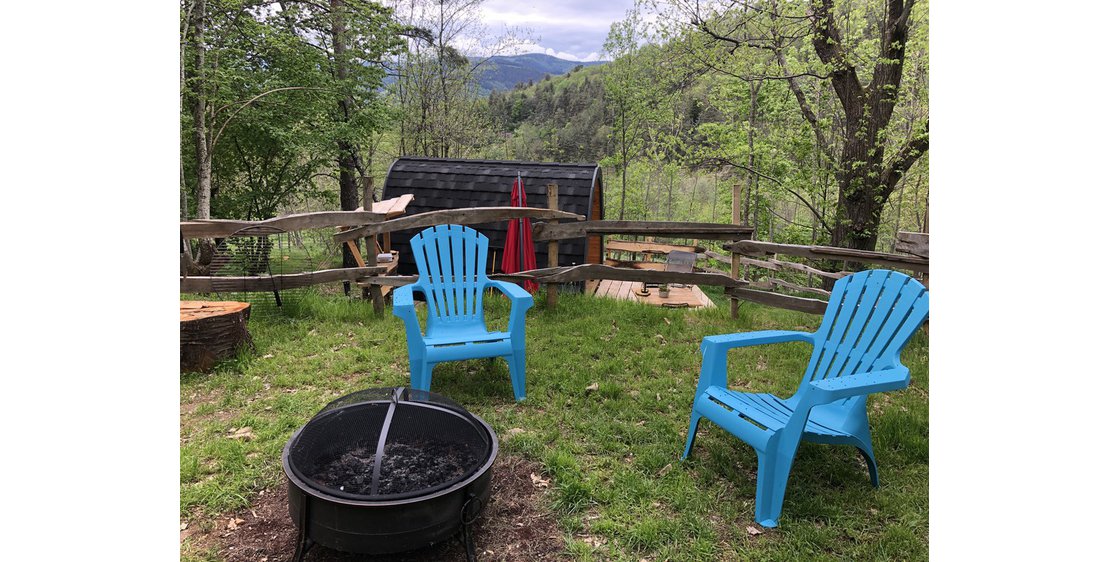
[{"x": 618, "y": 489}]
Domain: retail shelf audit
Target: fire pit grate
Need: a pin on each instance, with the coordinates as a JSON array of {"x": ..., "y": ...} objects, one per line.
[{"x": 395, "y": 455}]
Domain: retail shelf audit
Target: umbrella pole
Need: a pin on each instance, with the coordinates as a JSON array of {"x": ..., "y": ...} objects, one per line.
[{"x": 520, "y": 231}]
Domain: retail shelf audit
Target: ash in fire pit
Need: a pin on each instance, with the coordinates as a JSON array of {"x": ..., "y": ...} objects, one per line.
[{"x": 406, "y": 466}]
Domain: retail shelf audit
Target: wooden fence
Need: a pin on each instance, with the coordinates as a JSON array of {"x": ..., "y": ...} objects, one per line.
[
  {"x": 764, "y": 255},
  {"x": 745, "y": 253}
]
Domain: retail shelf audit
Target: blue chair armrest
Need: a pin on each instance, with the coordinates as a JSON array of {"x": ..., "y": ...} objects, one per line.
[
  {"x": 522, "y": 301},
  {"x": 829, "y": 390},
  {"x": 714, "y": 352},
  {"x": 515, "y": 292},
  {"x": 745, "y": 339},
  {"x": 404, "y": 309}
]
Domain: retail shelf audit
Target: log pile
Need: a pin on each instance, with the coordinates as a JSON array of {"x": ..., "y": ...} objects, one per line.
[{"x": 211, "y": 331}]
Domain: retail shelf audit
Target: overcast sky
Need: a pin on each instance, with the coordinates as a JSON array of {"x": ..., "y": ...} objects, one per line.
[{"x": 568, "y": 29}]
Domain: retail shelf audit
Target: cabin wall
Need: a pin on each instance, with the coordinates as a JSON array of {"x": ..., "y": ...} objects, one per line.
[{"x": 452, "y": 184}]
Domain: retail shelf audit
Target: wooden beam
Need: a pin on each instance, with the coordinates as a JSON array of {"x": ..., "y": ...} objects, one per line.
[
  {"x": 547, "y": 231},
  {"x": 275, "y": 282},
  {"x": 812, "y": 306},
  {"x": 916, "y": 243},
  {"x": 219, "y": 228},
  {"x": 649, "y": 247},
  {"x": 470, "y": 215},
  {"x": 799, "y": 288},
  {"x": 356, "y": 253},
  {"x": 779, "y": 265},
  {"x": 752, "y": 247}
]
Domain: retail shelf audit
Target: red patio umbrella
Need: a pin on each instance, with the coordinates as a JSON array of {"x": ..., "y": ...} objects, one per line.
[{"x": 520, "y": 251}]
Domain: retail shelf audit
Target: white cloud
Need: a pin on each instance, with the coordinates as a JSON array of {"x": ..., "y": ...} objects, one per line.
[{"x": 533, "y": 47}]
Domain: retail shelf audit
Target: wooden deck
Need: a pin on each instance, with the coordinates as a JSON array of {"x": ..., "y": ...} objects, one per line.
[{"x": 689, "y": 296}]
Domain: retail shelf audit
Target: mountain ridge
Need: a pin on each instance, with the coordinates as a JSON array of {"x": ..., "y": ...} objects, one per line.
[{"x": 505, "y": 72}]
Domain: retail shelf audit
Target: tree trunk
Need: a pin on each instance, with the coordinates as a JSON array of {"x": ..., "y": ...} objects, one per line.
[
  {"x": 199, "y": 108},
  {"x": 211, "y": 331},
  {"x": 865, "y": 182},
  {"x": 347, "y": 152}
]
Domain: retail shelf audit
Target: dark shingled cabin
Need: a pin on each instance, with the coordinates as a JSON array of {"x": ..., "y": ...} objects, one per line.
[{"x": 441, "y": 183}]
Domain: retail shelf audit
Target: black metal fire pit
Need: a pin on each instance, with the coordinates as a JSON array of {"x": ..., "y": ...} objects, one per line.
[{"x": 387, "y": 470}]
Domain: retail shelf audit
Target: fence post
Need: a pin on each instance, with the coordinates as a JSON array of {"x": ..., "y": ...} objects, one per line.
[
  {"x": 552, "y": 247},
  {"x": 733, "y": 301}
]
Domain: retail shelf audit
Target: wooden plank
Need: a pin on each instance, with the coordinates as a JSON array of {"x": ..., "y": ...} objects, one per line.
[
  {"x": 626, "y": 291},
  {"x": 916, "y": 243},
  {"x": 645, "y": 265},
  {"x": 752, "y": 247},
  {"x": 394, "y": 207},
  {"x": 543, "y": 231},
  {"x": 469, "y": 215},
  {"x": 606, "y": 288},
  {"x": 220, "y": 228},
  {"x": 812, "y": 306},
  {"x": 390, "y": 280},
  {"x": 706, "y": 302},
  {"x": 275, "y": 282},
  {"x": 648, "y": 247},
  {"x": 357, "y": 254}
]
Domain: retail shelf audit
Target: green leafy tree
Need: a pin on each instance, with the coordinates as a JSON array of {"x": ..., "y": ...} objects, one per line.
[{"x": 859, "y": 48}]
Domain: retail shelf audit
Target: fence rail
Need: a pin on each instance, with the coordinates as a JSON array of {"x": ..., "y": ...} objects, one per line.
[
  {"x": 702, "y": 230},
  {"x": 471, "y": 215},
  {"x": 247, "y": 284},
  {"x": 220, "y": 228},
  {"x": 752, "y": 253}
]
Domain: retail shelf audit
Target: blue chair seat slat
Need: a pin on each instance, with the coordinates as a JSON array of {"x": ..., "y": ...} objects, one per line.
[
  {"x": 749, "y": 407},
  {"x": 767, "y": 410},
  {"x": 870, "y": 317},
  {"x": 465, "y": 337}
]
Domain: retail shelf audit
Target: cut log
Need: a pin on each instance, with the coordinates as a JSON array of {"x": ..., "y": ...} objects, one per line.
[{"x": 211, "y": 331}]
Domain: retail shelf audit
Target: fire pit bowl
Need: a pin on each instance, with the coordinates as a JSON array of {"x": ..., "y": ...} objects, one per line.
[{"x": 387, "y": 470}]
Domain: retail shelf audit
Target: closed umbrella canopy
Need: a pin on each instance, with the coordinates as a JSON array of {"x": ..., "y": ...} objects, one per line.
[{"x": 520, "y": 251}]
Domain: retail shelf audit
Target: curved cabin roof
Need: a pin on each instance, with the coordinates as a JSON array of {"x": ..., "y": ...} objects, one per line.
[{"x": 446, "y": 183}]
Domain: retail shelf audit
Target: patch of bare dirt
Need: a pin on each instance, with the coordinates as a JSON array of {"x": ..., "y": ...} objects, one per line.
[{"x": 515, "y": 526}]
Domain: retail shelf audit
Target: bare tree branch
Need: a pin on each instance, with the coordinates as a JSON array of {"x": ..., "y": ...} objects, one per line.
[{"x": 216, "y": 138}]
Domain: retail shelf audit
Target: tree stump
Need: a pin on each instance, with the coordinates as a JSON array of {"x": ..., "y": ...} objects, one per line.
[{"x": 211, "y": 331}]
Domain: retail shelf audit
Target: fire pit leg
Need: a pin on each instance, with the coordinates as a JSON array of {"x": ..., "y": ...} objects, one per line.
[
  {"x": 469, "y": 516},
  {"x": 303, "y": 541},
  {"x": 302, "y": 549}
]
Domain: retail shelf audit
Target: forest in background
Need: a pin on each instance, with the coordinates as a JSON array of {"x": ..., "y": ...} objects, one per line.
[{"x": 812, "y": 115}]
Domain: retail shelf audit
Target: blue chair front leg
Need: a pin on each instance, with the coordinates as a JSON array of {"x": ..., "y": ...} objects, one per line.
[
  {"x": 772, "y": 476},
  {"x": 420, "y": 371},
  {"x": 521, "y": 302}
]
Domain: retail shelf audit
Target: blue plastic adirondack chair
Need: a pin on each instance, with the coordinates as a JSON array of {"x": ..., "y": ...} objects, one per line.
[
  {"x": 451, "y": 260},
  {"x": 870, "y": 317}
]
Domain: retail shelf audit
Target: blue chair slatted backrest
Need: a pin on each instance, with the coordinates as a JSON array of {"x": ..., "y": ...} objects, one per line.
[
  {"x": 451, "y": 260},
  {"x": 869, "y": 319}
]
